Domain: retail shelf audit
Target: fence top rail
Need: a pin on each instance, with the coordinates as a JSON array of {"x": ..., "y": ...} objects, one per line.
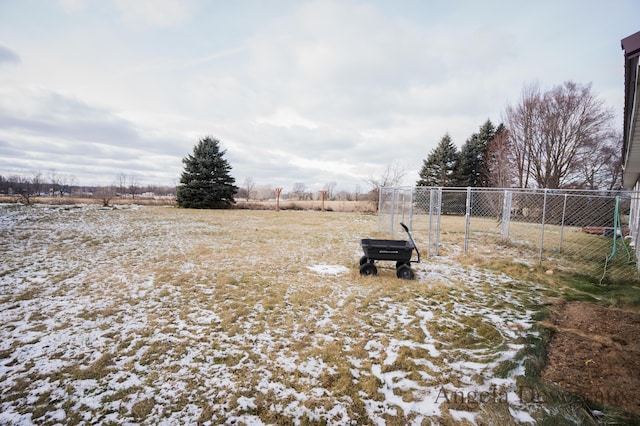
[{"x": 571, "y": 192}]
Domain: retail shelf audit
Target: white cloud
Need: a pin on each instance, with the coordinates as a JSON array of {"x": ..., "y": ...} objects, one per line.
[
  {"x": 8, "y": 56},
  {"x": 310, "y": 92},
  {"x": 155, "y": 12},
  {"x": 73, "y": 6},
  {"x": 287, "y": 117}
]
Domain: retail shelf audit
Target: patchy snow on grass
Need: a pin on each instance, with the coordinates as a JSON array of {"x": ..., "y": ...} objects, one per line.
[
  {"x": 173, "y": 316},
  {"x": 329, "y": 269}
]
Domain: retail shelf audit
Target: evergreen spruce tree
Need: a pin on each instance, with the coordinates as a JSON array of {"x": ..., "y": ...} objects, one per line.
[
  {"x": 441, "y": 166},
  {"x": 473, "y": 156},
  {"x": 205, "y": 182},
  {"x": 468, "y": 172}
]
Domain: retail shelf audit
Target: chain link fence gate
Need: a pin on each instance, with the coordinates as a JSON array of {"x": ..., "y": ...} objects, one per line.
[{"x": 592, "y": 232}]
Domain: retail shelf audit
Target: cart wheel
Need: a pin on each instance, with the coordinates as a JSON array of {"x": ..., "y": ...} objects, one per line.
[
  {"x": 368, "y": 269},
  {"x": 405, "y": 272},
  {"x": 363, "y": 260},
  {"x": 401, "y": 263}
]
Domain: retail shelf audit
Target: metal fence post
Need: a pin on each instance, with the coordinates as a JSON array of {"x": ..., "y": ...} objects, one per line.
[
  {"x": 467, "y": 221},
  {"x": 411, "y": 208},
  {"x": 404, "y": 204},
  {"x": 564, "y": 212},
  {"x": 438, "y": 218},
  {"x": 430, "y": 221},
  {"x": 544, "y": 213},
  {"x": 506, "y": 215},
  {"x": 435, "y": 197},
  {"x": 400, "y": 205},
  {"x": 393, "y": 209},
  {"x": 380, "y": 206}
]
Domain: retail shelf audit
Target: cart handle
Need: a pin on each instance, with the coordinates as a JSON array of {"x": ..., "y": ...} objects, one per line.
[{"x": 411, "y": 238}]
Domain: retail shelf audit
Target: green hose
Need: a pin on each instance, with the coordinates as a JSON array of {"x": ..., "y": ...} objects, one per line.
[{"x": 616, "y": 226}]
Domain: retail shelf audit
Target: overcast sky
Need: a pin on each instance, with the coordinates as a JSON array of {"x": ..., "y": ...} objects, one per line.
[{"x": 316, "y": 92}]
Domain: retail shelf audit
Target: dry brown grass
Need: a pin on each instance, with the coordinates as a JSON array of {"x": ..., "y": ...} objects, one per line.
[
  {"x": 158, "y": 311},
  {"x": 76, "y": 201},
  {"x": 364, "y": 206}
]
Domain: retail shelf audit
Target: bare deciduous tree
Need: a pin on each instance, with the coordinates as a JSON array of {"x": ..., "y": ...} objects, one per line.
[
  {"x": 330, "y": 188},
  {"x": 60, "y": 183},
  {"x": 105, "y": 194},
  {"x": 614, "y": 168},
  {"x": 600, "y": 164},
  {"x": 264, "y": 193},
  {"x": 121, "y": 182},
  {"x": 24, "y": 188},
  {"x": 28, "y": 187},
  {"x": 37, "y": 182},
  {"x": 498, "y": 162},
  {"x": 520, "y": 120},
  {"x": 548, "y": 132},
  {"x": 299, "y": 190},
  {"x": 134, "y": 186},
  {"x": 250, "y": 186},
  {"x": 392, "y": 176}
]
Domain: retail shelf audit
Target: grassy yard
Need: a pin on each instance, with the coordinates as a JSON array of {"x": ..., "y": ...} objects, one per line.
[{"x": 163, "y": 315}]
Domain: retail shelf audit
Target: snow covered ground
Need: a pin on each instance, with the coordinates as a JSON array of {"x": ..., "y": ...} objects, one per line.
[{"x": 169, "y": 316}]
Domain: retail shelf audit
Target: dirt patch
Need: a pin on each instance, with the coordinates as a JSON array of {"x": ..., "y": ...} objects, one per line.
[{"x": 596, "y": 354}]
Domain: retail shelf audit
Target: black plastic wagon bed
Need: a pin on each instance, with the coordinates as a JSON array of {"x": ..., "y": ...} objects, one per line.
[{"x": 400, "y": 251}]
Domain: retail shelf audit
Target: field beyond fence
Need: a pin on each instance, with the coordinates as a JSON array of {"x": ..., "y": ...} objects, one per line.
[{"x": 361, "y": 206}]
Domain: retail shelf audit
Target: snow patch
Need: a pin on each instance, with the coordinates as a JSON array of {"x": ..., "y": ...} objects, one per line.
[{"x": 324, "y": 269}]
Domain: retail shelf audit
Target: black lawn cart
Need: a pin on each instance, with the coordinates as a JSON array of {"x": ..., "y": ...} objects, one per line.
[{"x": 399, "y": 251}]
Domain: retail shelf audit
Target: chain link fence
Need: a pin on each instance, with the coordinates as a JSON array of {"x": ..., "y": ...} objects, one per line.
[{"x": 591, "y": 232}]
